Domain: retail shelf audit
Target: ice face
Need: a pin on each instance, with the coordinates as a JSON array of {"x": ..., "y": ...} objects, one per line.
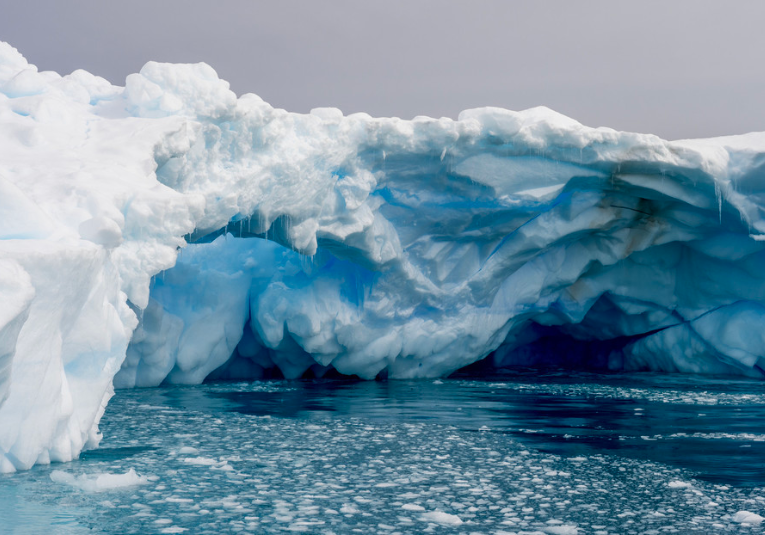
[{"x": 218, "y": 236}]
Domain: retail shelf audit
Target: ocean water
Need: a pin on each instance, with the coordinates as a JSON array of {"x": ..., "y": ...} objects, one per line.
[{"x": 523, "y": 452}]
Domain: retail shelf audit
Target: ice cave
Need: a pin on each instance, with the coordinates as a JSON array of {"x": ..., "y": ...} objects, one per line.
[{"x": 169, "y": 231}]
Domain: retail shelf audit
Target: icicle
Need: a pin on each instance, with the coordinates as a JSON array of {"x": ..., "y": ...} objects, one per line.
[{"x": 718, "y": 194}]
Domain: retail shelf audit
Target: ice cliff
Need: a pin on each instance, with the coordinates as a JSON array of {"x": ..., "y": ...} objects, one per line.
[{"x": 168, "y": 231}]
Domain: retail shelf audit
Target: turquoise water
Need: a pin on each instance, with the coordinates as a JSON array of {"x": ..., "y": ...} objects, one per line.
[{"x": 544, "y": 452}]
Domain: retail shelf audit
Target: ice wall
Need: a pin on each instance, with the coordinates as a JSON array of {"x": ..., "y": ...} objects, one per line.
[{"x": 170, "y": 231}]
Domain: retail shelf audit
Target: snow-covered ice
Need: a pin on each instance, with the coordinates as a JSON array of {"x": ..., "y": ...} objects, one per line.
[{"x": 167, "y": 231}]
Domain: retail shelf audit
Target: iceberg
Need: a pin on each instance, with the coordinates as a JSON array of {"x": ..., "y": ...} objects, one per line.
[{"x": 169, "y": 231}]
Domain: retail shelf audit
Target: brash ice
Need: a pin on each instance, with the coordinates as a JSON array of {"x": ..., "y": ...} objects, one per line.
[{"x": 168, "y": 231}]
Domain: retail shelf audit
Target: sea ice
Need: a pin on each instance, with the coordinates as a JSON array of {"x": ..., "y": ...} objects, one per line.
[
  {"x": 747, "y": 517},
  {"x": 439, "y": 517},
  {"x": 99, "y": 482}
]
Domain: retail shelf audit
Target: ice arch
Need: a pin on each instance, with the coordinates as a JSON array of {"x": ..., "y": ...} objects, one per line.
[
  {"x": 633, "y": 275},
  {"x": 406, "y": 247}
]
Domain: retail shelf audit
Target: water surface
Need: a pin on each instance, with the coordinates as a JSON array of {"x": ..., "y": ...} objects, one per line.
[{"x": 528, "y": 451}]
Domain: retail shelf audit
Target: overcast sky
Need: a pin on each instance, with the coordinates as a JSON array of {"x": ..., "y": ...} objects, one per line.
[{"x": 677, "y": 68}]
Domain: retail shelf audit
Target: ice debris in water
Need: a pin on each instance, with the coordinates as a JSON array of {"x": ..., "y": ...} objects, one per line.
[
  {"x": 439, "y": 517},
  {"x": 99, "y": 482},
  {"x": 432, "y": 243},
  {"x": 746, "y": 517},
  {"x": 318, "y": 474}
]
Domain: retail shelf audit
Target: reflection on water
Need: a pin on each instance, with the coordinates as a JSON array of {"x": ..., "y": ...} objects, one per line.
[{"x": 723, "y": 443}]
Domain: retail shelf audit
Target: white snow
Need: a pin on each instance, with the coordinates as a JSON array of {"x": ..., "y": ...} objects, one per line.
[
  {"x": 99, "y": 482},
  {"x": 168, "y": 230}
]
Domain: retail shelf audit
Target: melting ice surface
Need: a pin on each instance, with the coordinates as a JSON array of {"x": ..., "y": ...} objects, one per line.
[
  {"x": 169, "y": 231},
  {"x": 551, "y": 453}
]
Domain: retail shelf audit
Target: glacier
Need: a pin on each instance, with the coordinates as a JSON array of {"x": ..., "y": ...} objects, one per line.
[{"x": 169, "y": 231}]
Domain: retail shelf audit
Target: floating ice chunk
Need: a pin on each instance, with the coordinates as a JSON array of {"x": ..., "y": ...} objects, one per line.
[
  {"x": 201, "y": 461},
  {"x": 99, "y": 482},
  {"x": 439, "y": 517},
  {"x": 349, "y": 509},
  {"x": 746, "y": 517},
  {"x": 561, "y": 530}
]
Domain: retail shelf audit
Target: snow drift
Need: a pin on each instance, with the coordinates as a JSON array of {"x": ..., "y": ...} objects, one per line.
[{"x": 169, "y": 231}]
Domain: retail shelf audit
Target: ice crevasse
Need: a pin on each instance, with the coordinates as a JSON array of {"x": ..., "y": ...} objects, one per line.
[{"x": 170, "y": 231}]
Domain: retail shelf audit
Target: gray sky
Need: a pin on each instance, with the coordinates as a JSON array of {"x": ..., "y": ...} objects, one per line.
[{"x": 677, "y": 68}]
